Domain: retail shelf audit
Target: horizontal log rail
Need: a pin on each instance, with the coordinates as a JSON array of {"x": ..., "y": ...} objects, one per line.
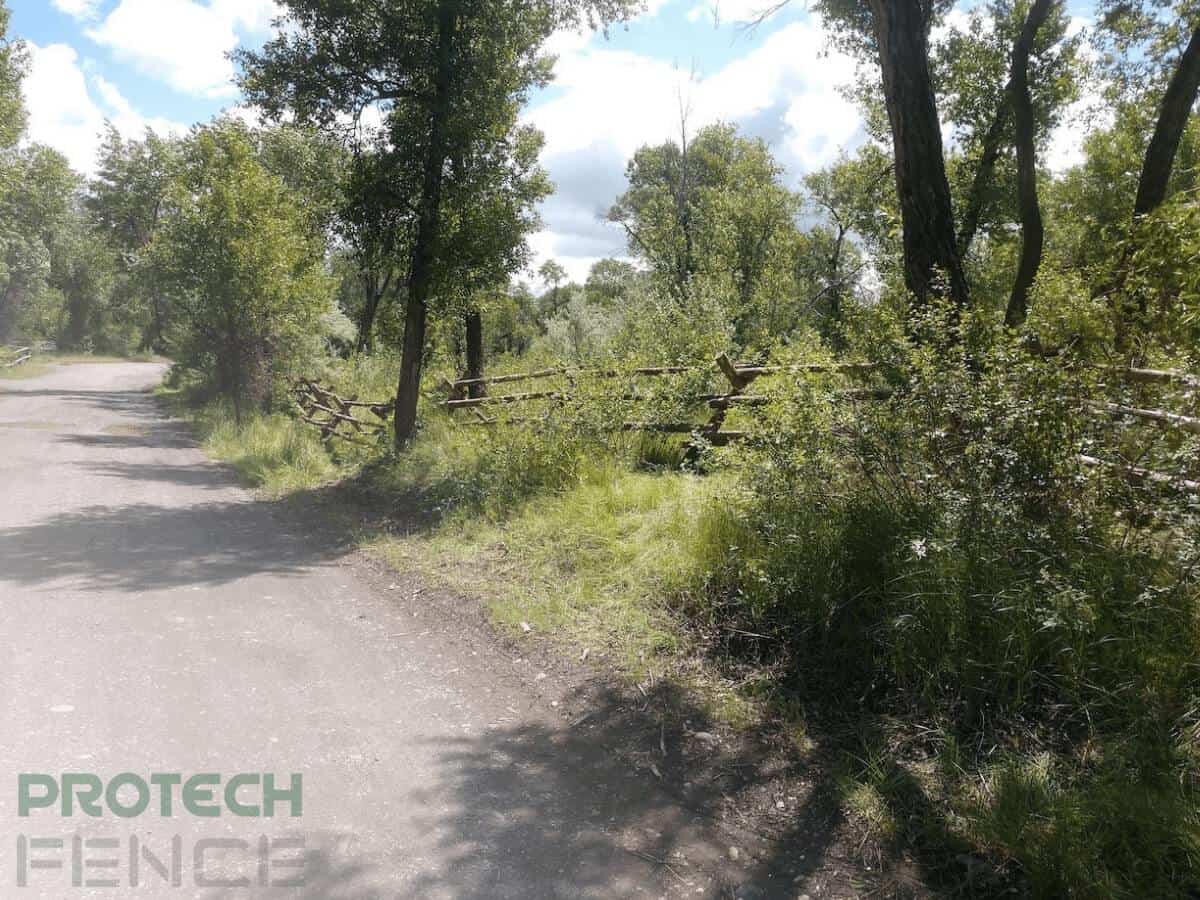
[
  {"x": 747, "y": 370},
  {"x": 1139, "y": 475},
  {"x": 652, "y": 371},
  {"x": 22, "y": 354},
  {"x": 473, "y": 402},
  {"x": 1156, "y": 376},
  {"x": 1159, "y": 416}
]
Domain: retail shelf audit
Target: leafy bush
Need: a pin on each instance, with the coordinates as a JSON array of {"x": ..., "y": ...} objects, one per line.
[{"x": 944, "y": 555}]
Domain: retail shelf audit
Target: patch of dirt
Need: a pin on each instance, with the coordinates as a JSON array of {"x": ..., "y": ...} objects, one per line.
[{"x": 125, "y": 431}]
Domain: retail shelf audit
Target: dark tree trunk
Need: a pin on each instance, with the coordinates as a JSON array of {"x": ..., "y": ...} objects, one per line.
[
  {"x": 930, "y": 243},
  {"x": 420, "y": 277},
  {"x": 77, "y": 318},
  {"x": 983, "y": 175},
  {"x": 366, "y": 323},
  {"x": 1173, "y": 116},
  {"x": 1033, "y": 232},
  {"x": 475, "y": 352}
]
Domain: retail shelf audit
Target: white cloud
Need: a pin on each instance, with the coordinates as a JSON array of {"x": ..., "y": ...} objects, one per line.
[
  {"x": 64, "y": 113},
  {"x": 607, "y": 103},
  {"x": 83, "y": 10},
  {"x": 183, "y": 42}
]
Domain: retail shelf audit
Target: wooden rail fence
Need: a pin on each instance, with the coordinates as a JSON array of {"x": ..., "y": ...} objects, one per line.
[
  {"x": 738, "y": 375},
  {"x": 357, "y": 420},
  {"x": 337, "y": 416},
  {"x": 22, "y": 354}
]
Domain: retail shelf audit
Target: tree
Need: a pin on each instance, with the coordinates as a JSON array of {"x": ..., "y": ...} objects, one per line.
[
  {"x": 36, "y": 204},
  {"x": 927, "y": 214},
  {"x": 374, "y": 222},
  {"x": 449, "y": 76},
  {"x": 12, "y": 69},
  {"x": 711, "y": 207},
  {"x": 554, "y": 276},
  {"x": 125, "y": 201},
  {"x": 851, "y": 197},
  {"x": 973, "y": 67},
  {"x": 610, "y": 282},
  {"x": 83, "y": 268},
  {"x": 239, "y": 259},
  {"x": 1032, "y": 229},
  {"x": 895, "y": 33},
  {"x": 1174, "y": 112}
]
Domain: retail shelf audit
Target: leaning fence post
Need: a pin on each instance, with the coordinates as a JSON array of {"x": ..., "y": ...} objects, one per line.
[{"x": 736, "y": 380}]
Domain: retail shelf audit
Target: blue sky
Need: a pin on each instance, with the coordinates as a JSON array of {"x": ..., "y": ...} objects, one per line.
[{"x": 162, "y": 64}]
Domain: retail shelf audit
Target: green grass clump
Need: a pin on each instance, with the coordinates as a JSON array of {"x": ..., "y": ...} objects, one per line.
[
  {"x": 603, "y": 563},
  {"x": 276, "y": 452}
]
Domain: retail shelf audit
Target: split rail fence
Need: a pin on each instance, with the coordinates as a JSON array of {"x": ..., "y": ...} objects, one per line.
[
  {"x": 357, "y": 420},
  {"x": 21, "y": 356}
]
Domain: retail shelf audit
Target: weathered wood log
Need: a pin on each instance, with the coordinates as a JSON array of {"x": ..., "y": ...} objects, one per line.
[
  {"x": 472, "y": 402},
  {"x": 1156, "y": 376},
  {"x": 506, "y": 379},
  {"x": 737, "y": 380},
  {"x": 754, "y": 372},
  {"x": 1139, "y": 475},
  {"x": 668, "y": 427},
  {"x": 1162, "y": 417},
  {"x": 758, "y": 400},
  {"x": 556, "y": 373},
  {"x": 738, "y": 400}
]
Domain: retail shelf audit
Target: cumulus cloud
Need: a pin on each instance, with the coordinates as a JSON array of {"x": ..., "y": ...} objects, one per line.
[
  {"x": 67, "y": 109},
  {"x": 183, "y": 42},
  {"x": 83, "y": 10},
  {"x": 608, "y": 102}
]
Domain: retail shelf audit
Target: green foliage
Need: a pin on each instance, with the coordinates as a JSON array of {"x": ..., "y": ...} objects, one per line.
[
  {"x": 12, "y": 68},
  {"x": 945, "y": 556},
  {"x": 709, "y": 214},
  {"x": 242, "y": 267},
  {"x": 274, "y": 452},
  {"x": 37, "y": 196},
  {"x": 1159, "y": 293}
]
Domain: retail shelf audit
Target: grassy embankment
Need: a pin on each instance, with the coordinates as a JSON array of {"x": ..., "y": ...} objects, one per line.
[{"x": 1014, "y": 720}]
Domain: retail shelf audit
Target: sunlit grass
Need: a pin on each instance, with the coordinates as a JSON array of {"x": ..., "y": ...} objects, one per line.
[{"x": 602, "y": 563}]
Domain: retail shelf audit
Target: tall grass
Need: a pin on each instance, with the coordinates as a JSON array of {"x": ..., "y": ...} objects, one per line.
[{"x": 276, "y": 453}]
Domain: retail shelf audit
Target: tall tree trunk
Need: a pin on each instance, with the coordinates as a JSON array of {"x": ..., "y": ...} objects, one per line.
[
  {"x": 366, "y": 322},
  {"x": 1173, "y": 114},
  {"x": 420, "y": 277},
  {"x": 475, "y": 352},
  {"x": 1033, "y": 232},
  {"x": 983, "y": 175},
  {"x": 930, "y": 243}
]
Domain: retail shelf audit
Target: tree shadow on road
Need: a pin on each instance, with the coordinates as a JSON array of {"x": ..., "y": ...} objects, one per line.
[
  {"x": 566, "y": 808},
  {"x": 145, "y": 547},
  {"x": 635, "y": 790}
]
